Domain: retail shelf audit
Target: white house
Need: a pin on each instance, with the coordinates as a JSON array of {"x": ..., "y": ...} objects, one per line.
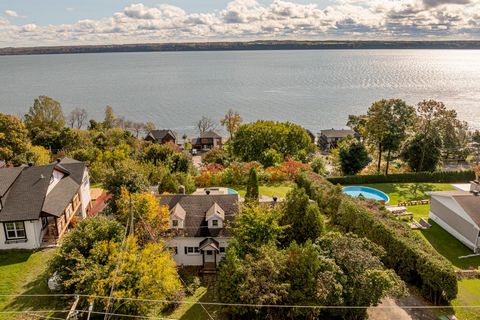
[
  {"x": 458, "y": 212},
  {"x": 198, "y": 222},
  {"x": 39, "y": 203}
]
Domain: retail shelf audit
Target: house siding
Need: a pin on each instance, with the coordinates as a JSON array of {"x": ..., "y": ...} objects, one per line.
[
  {"x": 458, "y": 227},
  {"x": 33, "y": 230},
  {"x": 192, "y": 259}
]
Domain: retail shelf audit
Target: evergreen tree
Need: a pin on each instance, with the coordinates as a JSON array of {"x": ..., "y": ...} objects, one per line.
[
  {"x": 353, "y": 158},
  {"x": 252, "y": 186}
]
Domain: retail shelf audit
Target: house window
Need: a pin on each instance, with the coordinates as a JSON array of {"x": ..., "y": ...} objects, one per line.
[
  {"x": 215, "y": 223},
  {"x": 209, "y": 252},
  {"x": 44, "y": 222},
  {"x": 175, "y": 223},
  {"x": 222, "y": 249},
  {"x": 192, "y": 250},
  {"x": 174, "y": 249},
  {"x": 15, "y": 230}
]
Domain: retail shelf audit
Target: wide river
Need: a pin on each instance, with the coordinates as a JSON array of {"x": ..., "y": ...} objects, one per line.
[{"x": 317, "y": 89}]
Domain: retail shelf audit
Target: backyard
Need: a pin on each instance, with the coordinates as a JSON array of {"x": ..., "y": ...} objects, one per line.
[{"x": 442, "y": 241}]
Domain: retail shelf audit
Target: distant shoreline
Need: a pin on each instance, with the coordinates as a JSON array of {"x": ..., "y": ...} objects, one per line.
[{"x": 240, "y": 46}]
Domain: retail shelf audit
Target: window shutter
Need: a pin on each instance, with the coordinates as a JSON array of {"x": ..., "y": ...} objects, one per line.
[{"x": 185, "y": 248}]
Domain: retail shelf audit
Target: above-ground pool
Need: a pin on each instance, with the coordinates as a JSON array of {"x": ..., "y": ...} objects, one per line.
[
  {"x": 367, "y": 193},
  {"x": 231, "y": 191}
]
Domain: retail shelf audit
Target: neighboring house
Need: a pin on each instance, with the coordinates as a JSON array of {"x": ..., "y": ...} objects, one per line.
[
  {"x": 39, "y": 203},
  {"x": 162, "y": 136},
  {"x": 198, "y": 222},
  {"x": 207, "y": 141},
  {"x": 458, "y": 212},
  {"x": 328, "y": 139}
]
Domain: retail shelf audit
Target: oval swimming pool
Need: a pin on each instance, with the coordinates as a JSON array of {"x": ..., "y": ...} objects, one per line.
[{"x": 367, "y": 193}]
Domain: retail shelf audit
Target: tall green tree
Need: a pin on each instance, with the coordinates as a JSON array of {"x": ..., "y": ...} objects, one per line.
[
  {"x": 44, "y": 121},
  {"x": 110, "y": 120},
  {"x": 231, "y": 122},
  {"x": 252, "y": 140},
  {"x": 252, "y": 186},
  {"x": 14, "y": 141},
  {"x": 126, "y": 176},
  {"x": 353, "y": 158},
  {"x": 387, "y": 125},
  {"x": 430, "y": 146},
  {"x": 303, "y": 220}
]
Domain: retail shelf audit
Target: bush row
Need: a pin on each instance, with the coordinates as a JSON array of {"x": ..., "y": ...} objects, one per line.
[
  {"x": 411, "y": 257},
  {"x": 439, "y": 176}
]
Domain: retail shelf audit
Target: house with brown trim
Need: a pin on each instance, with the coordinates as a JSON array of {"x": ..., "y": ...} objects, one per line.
[
  {"x": 198, "y": 225},
  {"x": 162, "y": 136},
  {"x": 207, "y": 140},
  {"x": 458, "y": 212},
  {"x": 38, "y": 204}
]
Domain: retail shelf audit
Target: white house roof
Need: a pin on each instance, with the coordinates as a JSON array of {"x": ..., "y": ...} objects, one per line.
[
  {"x": 465, "y": 204},
  {"x": 178, "y": 211},
  {"x": 215, "y": 210}
]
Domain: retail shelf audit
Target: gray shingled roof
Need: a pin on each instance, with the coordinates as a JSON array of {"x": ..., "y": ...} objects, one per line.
[
  {"x": 25, "y": 190},
  {"x": 24, "y": 200},
  {"x": 196, "y": 207},
  {"x": 7, "y": 177},
  {"x": 160, "y": 134},
  {"x": 210, "y": 134},
  {"x": 333, "y": 133},
  {"x": 471, "y": 205}
]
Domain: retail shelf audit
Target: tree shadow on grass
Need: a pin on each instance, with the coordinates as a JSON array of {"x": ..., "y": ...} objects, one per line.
[
  {"x": 414, "y": 191},
  {"x": 8, "y": 257},
  {"x": 38, "y": 286}
]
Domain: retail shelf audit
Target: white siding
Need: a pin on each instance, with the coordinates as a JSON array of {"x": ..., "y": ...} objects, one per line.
[
  {"x": 194, "y": 259},
  {"x": 33, "y": 230},
  {"x": 85, "y": 193},
  {"x": 452, "y": 231}
]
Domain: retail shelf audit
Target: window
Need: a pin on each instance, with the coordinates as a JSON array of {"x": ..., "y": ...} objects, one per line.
[
  {"x": 192, "y": 250},
  {"x": 174, "y": 249},
  {"x": 44, "y": 222},
  {"x": 222, "y": 249},
  {"x": 15, "y": 230},
  {"x": 215, "y": 223},
  {"x": 209, "y": 252},
  {"x": 175, "y": 223}
]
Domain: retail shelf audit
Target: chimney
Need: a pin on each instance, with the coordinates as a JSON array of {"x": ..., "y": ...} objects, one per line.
[
  {"x": 207, "y": 191},
  {"x": 181, "y": 189},
  {"x": 58, "y": 160},
  {"x": 275, "y": 199}
]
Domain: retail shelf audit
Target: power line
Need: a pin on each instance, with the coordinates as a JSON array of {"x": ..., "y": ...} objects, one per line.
[
  {"x": 244, "y": 304},
  {"x": 125, "y": 315}
]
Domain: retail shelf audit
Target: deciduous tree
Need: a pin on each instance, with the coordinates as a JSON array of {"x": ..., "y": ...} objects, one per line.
[
  {"x": 14, "y": 141},
  {"x": 231, "y": 122}
]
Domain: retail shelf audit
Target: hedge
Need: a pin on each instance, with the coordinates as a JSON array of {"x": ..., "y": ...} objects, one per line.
[
  {"x": 410, "y": 256},
  {"x": 438, "y": 176}
]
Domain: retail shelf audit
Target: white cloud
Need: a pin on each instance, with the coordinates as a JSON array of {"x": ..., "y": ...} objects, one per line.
[
  {"x": 11, "y": 14},
  {"x": 248, "y": 20}
]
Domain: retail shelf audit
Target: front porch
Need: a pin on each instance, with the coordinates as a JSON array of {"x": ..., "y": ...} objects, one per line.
[
  {"x": 54, "y": 228},
  {"x": 209, "y": 248}
]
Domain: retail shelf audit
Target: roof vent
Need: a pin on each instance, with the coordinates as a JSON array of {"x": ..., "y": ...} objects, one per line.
[
  {"x": 476, "y": 193},
  {"x": 181, "y": 189},
  {"x": 207, "y": 191},
  {"x": 42, "y": 176},
  {"x": 30, "y": 164}
]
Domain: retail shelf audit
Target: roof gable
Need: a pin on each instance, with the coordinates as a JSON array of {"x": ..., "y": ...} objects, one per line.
[
  {"x": 161, "y": 134},
  {"x": 178, "y": 211},
  {"x": 210, "y": 134},
  {"x": 215, "y": 211},
  {"x": 471, "y": 206}
]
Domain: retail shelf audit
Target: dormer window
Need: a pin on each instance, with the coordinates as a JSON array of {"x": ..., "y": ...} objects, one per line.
[
  {"x": 215, "y": 223},
  {"x": 175, "y": 223}
]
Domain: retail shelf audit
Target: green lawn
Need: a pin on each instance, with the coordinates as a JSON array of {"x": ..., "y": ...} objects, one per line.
[
  {"x": 278, "y": 190},
  {"x": 23, "y": 272},
  {"x": 409, "y": 191},
  {"x": 468, "y": 295}
]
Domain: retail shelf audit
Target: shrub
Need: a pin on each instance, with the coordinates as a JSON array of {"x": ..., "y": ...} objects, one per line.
[{"x": 411, "y": 257}]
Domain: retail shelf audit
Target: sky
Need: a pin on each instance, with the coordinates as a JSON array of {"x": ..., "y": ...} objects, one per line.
[{"x": 70, "y": 22}]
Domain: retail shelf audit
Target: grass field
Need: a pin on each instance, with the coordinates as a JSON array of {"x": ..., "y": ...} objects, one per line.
[
  {"x": 399, "y": 192},
  {"x": 278, "y": 190},
  {"x": 22, "y": 272}
]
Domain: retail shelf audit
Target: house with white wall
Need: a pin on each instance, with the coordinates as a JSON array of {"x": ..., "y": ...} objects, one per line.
[
  {"x": 198, "y": 223},
  {"x": 458, "y": 212},
  {"x": 38, "y": 204}
]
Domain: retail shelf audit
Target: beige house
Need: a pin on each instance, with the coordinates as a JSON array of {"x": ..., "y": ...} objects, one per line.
[{"x": 458, "y": 212}]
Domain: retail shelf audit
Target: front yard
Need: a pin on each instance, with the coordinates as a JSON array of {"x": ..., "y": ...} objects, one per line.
[{"x": 22, "y": 272}]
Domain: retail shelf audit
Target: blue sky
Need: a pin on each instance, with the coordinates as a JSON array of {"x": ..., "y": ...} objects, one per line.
[{"x": 63, "y": 22}]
